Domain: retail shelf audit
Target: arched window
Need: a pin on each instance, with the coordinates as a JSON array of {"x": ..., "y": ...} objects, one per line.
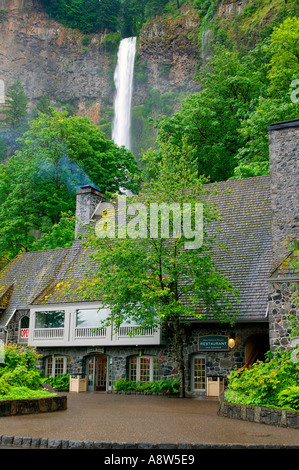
[
  {"x": 143, "y": 368},
  {"x": 24, "y": 329},
  {"x": 57, "y": 365}
]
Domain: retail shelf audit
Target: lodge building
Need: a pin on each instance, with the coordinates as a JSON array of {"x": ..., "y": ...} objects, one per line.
[{"x": 258, "y": 215}]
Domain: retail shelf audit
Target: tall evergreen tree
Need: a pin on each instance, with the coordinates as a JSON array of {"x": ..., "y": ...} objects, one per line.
[{"x": 15, "y": 108}]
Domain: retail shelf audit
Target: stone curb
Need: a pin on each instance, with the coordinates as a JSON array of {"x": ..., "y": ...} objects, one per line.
[{"x": 44, "y": 443}]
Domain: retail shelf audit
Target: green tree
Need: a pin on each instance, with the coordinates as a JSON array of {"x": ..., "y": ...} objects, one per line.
[
  {"x": 15, "y": 108},
  {"x": 38, "y": 184},
  {"x": 284, "y": 62},
  {"x": 159, "y": 281},
  {"x": 280, "y": 59},
  {"x": 210, "y": 120},
  {"x": 87, "y": 15}
]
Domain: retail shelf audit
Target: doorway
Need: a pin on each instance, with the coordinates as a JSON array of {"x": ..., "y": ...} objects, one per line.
[{"x": 96, "y": 373}]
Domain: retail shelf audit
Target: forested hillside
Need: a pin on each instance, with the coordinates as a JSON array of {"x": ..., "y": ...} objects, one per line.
[{"x": 245, "y": 76}]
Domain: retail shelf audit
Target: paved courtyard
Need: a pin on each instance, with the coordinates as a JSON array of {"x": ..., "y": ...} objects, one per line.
[{"x": 144, "y": 419}]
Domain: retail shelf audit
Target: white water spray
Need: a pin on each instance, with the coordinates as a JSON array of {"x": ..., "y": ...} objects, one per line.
[{"x": 123, "y": 79}]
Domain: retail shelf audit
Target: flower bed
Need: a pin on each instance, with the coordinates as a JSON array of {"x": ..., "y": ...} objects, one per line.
[
  {"x": 32, "y": 405},
  {"x": 258, "y": 414}
]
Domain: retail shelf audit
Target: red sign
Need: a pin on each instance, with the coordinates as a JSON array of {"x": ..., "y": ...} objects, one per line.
[{"x": 24, "y": 333}]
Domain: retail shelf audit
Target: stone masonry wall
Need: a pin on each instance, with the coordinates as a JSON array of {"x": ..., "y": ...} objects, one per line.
[
  {"x": 284, "y": 177},
  {"x": 281, "y": 305}
]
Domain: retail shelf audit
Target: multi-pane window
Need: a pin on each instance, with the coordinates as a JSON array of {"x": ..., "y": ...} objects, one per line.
[
  {"x": 143, "y": 369},
  {"x": 199, "y": 373},
  {"x": 57, "y": 365}
]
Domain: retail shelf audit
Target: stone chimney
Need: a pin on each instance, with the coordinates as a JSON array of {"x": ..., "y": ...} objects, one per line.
[
  {"x": 87, "y": 200},
  {"x": 284, "y": 181}
]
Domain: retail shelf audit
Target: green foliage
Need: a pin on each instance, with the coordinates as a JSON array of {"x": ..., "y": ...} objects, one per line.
[
  {"x": 111, "y": 42},
  {"x": 59, "y": 382},
  {"x": 3, "y": 14},
  {"x": 88, "y": 16},
  {"x": 58, "y": 154},
  {"x": 225, "y": 125},
  {"x": 4, "y": 387},
  {"x": 160, "y": 386},
  {"x": 60, "y": 235},
  {"x": 15, "y": 108},
  {"x": 21, "y": 376},
  {"x": 209, "y": 120},
  {"x": 19, "y": 356},
  {"x": 284, "y": 49},
  {"x": 289, "y": 398},
  {"x": 143, "y": 276},
  {"x": 85, "y": 41},
  {"x": 264, "y": 383},
  {"x": 20, "y": 393}
]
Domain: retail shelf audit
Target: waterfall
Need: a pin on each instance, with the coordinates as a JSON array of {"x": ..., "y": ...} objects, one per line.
[{"x": 123, "y": 79}]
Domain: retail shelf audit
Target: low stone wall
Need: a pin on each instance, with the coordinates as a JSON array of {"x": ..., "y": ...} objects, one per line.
[
  {"x": 258, "y": 414},
  {"x": 32, "y": 405}
]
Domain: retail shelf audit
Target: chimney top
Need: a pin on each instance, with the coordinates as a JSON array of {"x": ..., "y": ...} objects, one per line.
[{"x": 88, "y": 188}]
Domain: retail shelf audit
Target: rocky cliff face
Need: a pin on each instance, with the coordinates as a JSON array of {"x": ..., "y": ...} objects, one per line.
[
  {"x": 51, "y": 59},
  {"x": 168, "y": 49}
]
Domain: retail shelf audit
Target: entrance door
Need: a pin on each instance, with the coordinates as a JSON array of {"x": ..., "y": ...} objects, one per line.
[
  {"x": 101, "y": 376},
  {"x": 97, "y": 373}
]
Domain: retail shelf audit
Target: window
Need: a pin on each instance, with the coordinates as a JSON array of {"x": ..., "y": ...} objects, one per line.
[
  {"x": 57, "y": 365},
  {"x": 24, "y": 329},
  {"x": 50, "y": 319},
  {"x": 143, "y": 369},
  {"x": 91, "y": 317},
  {"x": 198, "y": 373}
]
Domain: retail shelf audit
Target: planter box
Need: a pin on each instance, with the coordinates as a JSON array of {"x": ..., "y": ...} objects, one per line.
[
  {"x": 258, "y": 414},
  {"x": 78, "y": 384},
  {"x": 215, "y": 386},
  {"x": 32, "y": 405}
]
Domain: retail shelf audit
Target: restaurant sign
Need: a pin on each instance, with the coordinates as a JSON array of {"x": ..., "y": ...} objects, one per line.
[{"x": 213, "y": 343}]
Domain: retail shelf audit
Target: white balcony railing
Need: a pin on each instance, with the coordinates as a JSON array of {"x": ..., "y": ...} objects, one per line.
[
  {"x": 126, "y": 331},
  {"x": 80, "y": 334},
  {"x": 88, "y": 332},
  {"x": 48, "y": 333}
]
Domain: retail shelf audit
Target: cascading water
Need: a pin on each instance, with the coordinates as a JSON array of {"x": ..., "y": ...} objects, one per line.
[{"x": 123, "y": 79}]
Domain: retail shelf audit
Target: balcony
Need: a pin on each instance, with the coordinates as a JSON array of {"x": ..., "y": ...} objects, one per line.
[
  {"x": 91, "y": 332},
  {"x": 80, "y": 327},
  {"x": 48, "y": 333}
]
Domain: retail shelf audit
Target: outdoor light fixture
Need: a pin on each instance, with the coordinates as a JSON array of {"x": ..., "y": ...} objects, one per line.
[{"x": 232, "y": 340}]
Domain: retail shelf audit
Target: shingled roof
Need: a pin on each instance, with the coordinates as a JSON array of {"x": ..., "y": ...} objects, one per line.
[{"x": 245, "y": 229}]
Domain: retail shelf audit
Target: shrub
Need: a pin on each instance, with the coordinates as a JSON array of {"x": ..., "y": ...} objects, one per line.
[
  {"x": 159, "y": 386},
  {"x": 262, "y": 383},
  {"x": 61, "y": 381},
  {"x": 21, "y": 376},
  {"x": 4, "y": 387},
  {"x": 17, "y": 355},
  {"x": 18, "y": 393},
  {"x": 289, "y": 398},
  {"x": 85, "y": 40}
]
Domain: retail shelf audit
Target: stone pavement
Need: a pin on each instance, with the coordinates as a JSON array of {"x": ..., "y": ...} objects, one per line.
[{"x": 100, "y": 420}]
